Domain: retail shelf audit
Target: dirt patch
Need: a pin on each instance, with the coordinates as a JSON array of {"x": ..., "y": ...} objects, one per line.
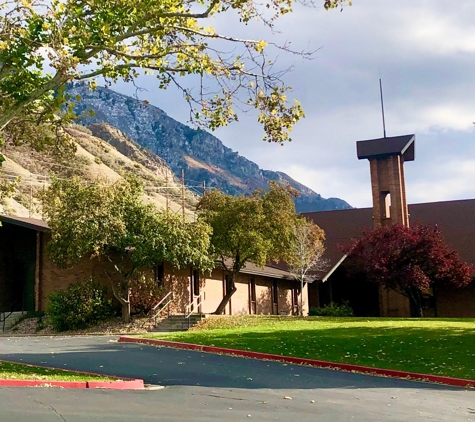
[{"x": 30, "y": 326}]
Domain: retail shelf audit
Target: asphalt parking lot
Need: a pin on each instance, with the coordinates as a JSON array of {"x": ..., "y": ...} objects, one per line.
[{"x": 207, "y": 387}]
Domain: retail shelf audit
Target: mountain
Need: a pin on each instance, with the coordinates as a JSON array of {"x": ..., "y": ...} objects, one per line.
[
  {"x": 94, "y": 158},
  {"x": 202, "y": 156}
]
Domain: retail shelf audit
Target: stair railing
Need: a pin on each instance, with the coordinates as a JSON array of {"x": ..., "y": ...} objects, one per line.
[
  {"x": 168, "y": 298},
  {"x": 190, "y": 308},
  {"x": 5, "y": 315}
]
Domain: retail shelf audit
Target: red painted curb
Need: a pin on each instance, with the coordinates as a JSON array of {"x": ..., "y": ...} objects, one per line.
[
  {"x": 136, "y": 384},
  {"x": 120, "y": 383},
  {"x": 411, "y": 376},
  {"x": 42, "y": 383},
  {"x": 110, "y": 385}
]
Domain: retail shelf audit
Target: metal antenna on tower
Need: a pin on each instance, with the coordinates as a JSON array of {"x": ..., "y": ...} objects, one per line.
[{"x": 382, "y": 104}]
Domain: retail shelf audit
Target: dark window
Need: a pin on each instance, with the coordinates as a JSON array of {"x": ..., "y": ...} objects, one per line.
[
  {"x": 253, "y": 290},
  {"x": 159, "y": 274},
  {"x": 196, "y": 282},
  {"x": 296, "y": 296},
  {"x": 274, "y": 292},
  {"x": 275, "y": 298},
  {"x": 226, "y": 284},
  {"x": 252, "y": 297}
]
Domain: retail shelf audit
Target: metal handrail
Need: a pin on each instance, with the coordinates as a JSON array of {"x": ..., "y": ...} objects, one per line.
[
  {"x": 167, "y": 304},
  {"x": 190, "y": 308},
  {"x": 4, "y": 318},
  {"x": 162, "y": 300}
]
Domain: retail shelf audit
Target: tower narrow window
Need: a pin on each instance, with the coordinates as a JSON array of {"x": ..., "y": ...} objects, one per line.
[{"x": 386, "y": 204}]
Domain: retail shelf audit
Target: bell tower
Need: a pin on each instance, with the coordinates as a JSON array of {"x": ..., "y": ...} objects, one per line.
[{"x": 386, "y": 159}]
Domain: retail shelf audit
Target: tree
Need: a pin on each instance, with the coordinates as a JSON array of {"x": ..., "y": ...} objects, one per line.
[
  {"x": 306, "y": 252},
  {"x": 45, "y": 44},
  {"x": 256, "y": 229},
  {"x": 408, "y": 260},
  {"x": 111, "y": 222}
]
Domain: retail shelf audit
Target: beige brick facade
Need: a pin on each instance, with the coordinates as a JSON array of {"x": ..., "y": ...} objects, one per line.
[{"x": 211, "y": 287}]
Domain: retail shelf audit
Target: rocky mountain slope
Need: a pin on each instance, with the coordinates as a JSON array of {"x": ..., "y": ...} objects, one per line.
[
  {"x": 108, "y": 158},
  {"x": 200, "y": 154}
]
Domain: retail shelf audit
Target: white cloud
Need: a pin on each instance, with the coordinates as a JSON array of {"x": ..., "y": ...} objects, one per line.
[{"x": 425, "y": 52}]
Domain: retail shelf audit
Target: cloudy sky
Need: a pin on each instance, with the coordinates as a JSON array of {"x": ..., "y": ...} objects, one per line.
[{"x": 425, "y": 52}]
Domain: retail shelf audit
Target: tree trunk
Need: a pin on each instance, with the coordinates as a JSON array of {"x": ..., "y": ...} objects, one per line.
[
  {"x": 126, "y": 304},
  {"x": 415, "y": 298},
  {"x": 123, "y": 297},
  {"x": 230, "y": 290},
  {"x": 126, "y": 312}
]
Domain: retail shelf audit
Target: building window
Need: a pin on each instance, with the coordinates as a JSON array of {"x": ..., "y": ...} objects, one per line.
[
  {"x": 159, "y": 274},
  {"x": 253, "y": 296},
  {"x": 386, "y": 204},
  {"x": 275, "y": 298},
  {"x": 196, "y": 282}
]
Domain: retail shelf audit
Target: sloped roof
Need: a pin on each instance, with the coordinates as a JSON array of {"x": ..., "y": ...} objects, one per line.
[
  {"x": 270, "y": 270},
  {"x": 29, "y": 223},
  {"x": 385, "y": 147},
  {"x": 455, "y": 219}
]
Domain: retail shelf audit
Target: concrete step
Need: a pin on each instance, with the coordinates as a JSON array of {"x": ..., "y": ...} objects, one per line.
[
  {"x": 177, "y": 323},
  {"x": 11, "y": 320}
]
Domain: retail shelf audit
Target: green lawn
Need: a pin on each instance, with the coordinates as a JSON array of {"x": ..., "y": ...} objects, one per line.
[
  {"x": 17, "y": 371},
  {"x": 430, "y": 346}
]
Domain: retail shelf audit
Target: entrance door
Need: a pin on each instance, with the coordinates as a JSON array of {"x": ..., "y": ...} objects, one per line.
[{"x": 19, "y": 254}]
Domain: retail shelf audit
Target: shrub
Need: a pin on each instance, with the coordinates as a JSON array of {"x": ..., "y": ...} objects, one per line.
[
  {"x": 144, "y": 295},
  {"x": 81, "y": 305},
  {"x": 333, "y": 309}
]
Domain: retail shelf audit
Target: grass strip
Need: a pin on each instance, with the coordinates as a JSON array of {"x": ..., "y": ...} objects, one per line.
[
  {"x": 430, "y": 346},
  {"x": 18, "y": 371}
]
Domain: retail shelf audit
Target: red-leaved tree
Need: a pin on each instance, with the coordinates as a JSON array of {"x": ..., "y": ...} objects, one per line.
[{"x": 408, "y": 260}]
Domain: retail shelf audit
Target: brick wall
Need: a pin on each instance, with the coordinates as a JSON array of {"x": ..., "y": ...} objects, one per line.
[
  {"x": 387, "y": 175},
  {"x": 393, "y": 304},
  {"x": 213, "y": 289},
  {"x": 240, "y": 299},
  {"x": 54, "y": 278},
  {"x": 456, "y": 303},
  {"x": 263, "y": 296}
]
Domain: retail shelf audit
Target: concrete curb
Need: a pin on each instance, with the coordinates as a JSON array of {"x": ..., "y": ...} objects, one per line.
[
  {"x": 391, "y": 373},
  {"x": 110, "y": 385},
  {"x": 120, "y": 383}
]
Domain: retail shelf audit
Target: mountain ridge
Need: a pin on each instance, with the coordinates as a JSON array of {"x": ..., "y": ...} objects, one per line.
[{"x": 203, "y": 156}]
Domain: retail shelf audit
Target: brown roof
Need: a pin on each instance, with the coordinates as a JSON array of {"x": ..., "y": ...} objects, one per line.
[
  {"x": 456, "y": 220},
  {"x": 385, "y": 147},
  {"x": 270, "y": 270},
  {"x": 29, "y": 223}
]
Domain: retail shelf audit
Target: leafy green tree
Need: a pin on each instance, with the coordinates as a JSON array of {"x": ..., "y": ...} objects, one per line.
[
  {"x": 256, "y": 229},
  {"x": 45, "y": 44},
  {"x": 111, "y": 222},
  {"x": 306, "y": 253}
]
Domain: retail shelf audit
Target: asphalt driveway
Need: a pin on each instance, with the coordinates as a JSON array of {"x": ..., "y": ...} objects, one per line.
[{"x": 206, "y": 387}]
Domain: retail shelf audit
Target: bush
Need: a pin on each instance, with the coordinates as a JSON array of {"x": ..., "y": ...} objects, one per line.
[
  {"x": 145, "y": 293},
  {"x": 81, "y": 305},
  {"x": 333, "y": 309}
]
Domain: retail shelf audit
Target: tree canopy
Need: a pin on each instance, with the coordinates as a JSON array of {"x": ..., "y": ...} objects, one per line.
[
  {"x": 110, "y": 221},
  {"x": 256, "y": 229},
  {"x": 408, "y": 260},
  {"x": 45, "y": 44}
]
